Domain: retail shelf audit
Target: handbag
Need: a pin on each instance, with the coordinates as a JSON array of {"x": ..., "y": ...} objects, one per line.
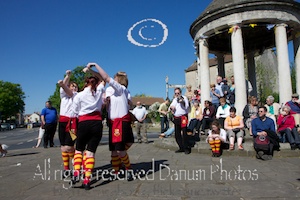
[
  {"x": 236, "y": 130},
  {"x": 261, "y": 143}
]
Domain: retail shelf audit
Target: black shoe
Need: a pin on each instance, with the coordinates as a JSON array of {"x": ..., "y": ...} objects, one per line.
[
  {"x": 293, "y": 146},
  {"x": 86, "y": 186},
  {"x": 259, "y": 154},
  {"x": 139, "y": 141},
  {"x": 74, "y": 180},
  {"x": 187, "y": 151},
  {"x": 66, "y": 174},
  {"x": 130, "y": 176},
  {"x": 197, "y": 138},
  {"x": 179, "y": 151},
  {"x": 298, "y": 146}
]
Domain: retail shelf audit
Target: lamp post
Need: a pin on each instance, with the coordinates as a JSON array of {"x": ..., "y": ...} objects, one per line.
[{"x": 167, "y": 87}]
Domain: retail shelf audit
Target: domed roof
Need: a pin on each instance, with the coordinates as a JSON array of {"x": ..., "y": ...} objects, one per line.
[{"x": 254, "y": 16}]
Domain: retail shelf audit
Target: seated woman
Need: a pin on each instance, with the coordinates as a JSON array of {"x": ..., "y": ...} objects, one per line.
[
  {"x": 250, "y": 112},
  {"x": 287, "y": 126},
  {"x": 195, "y": 122},
  {"x": 234, "y": 126},
  {"x": 223, "y": 111},
  {"x": 216, "y": 137},
  {"x": 272, "y": 109},
  {"x": 208, "y": 115}
]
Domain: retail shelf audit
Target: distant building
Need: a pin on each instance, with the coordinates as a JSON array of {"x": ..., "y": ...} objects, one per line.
[{"x": 147, "y": 101}]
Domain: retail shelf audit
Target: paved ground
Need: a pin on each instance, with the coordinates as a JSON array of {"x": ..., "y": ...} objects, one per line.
[{"x": 35, "y": 174}]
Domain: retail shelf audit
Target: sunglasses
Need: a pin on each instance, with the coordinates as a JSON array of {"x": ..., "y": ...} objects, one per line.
[
  {"x": 177, "y": 93},
  {"x": 260, "y": 111}
]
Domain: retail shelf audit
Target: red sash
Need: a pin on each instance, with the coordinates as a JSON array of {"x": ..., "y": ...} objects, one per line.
[
  {"x": 63, "y": 118},
  {"x": 117, "y": 128},
  {"x": 72, "y": 126},
  {"x": 184, "y": 121},
  {"x": 91, "y": 116}
]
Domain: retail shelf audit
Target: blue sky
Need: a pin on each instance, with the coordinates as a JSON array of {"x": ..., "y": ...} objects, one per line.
[{"x": 41, "y": 39}]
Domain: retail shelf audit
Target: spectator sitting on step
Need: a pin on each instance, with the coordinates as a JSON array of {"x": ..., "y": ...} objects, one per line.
[
  {"x": 195, "y": 122},
  {"x": 287, "y": 128},
  {"x": 272, "y": 109},
  {"x": 208, "y": 115},
  {"x": 294, "y": 104},
  {"x": 234, "y": 126},
  {"x": 223, "y": 111},
  {"x": 250, "y": 112},
  {"x": 216, "y": 138}
]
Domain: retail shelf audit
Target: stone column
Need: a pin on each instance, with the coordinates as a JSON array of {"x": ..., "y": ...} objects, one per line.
[
  {"x": 284, "y": 78},
  {"x": 221, "y": 67},
  {"x": 252, "y": 72},
  {"x": 296, "y": 43},
  {"x": 204, "y": 71},
  {"x": 238, "y": 69}
]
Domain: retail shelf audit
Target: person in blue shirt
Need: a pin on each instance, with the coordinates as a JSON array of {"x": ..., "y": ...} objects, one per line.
[
  {"x": 215, "y": 95},
  {"x": 49, "y": 123},
  {"x": 264, "y": 126}
]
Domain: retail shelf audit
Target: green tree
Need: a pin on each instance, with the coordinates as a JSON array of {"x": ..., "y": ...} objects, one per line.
[
  {"x": 77, "y": 76},
  {"x": 265, "y": 83},
  {"x": 11, "y": 99}
]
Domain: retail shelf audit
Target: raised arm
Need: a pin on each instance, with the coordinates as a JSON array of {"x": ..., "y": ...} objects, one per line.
[
  {"x": 96, "y": 74},
  {"x": 102, "y": 73}
]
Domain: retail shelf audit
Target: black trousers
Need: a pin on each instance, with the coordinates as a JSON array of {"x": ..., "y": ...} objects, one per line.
[
  {"x": 50, "y": 130},
  {"x": 181, "y": 136}
]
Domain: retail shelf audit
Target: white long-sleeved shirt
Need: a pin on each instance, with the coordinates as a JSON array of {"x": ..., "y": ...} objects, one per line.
[
  {"x": 66, "y": 103},
  {"x": 119, "y": 97},
  {"x": 85, "y": 102},
  {"x": 179, "y": 108},
  {"x": 223, "y": 112}
]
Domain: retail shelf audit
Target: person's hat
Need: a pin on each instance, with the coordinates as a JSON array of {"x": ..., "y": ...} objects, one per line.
[{"x": 295, "y": 95}]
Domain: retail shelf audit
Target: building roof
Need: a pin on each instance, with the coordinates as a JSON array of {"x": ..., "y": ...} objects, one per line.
[
  {"x": 147, "y": 101},
  {"x": 212, "y": 62}
]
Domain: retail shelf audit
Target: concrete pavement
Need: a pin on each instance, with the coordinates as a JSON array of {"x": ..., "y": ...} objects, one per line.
[{"x": 161, "y": 174}]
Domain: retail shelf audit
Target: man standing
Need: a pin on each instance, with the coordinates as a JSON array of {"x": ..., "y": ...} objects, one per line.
[
  {"x": 219, "y": 85},
  {"x": 49, "y": 123},
  {"x": 140, "y": 113},
  {"x": 163, "y": 113},
  {"x": 265, "y": 127},
  {"x": 179, "y": 108}
]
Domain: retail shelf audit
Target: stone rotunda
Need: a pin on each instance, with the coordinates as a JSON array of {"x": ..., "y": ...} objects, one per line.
[{"x": 244, "y": 29}]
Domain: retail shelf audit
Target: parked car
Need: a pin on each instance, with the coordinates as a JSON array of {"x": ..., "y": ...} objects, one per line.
[
  {"x": 13, "y": 126},
  {"x": 5, "y": 126},
  {"x": 36, "y": 124}
]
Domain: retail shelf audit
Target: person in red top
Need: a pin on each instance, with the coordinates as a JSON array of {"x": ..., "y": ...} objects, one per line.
[{"x": 287, "y": 126}]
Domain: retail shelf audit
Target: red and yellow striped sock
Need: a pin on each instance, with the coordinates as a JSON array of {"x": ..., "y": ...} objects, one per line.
[
  {"x": 217, "y": 144},
  {"x": 65, "y": 158},
  {"x": 212, "y": 145},
  {"x": 77, "y": 163},
  {"x": 126, "y": 161},
  {"x": 116, "y": 162},
  {"x": 88, "y": 166}
]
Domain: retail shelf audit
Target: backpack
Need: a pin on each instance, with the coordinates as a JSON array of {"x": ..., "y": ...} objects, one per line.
[{"x": 261, "y": 143}]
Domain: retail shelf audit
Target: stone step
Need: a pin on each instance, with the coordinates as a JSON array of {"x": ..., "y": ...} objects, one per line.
[{"x": 203, "y": 148}]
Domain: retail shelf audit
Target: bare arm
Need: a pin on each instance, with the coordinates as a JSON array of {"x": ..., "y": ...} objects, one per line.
[
  {"x": 88, "y": 69},
  {"x": 64, "y": 84},
  {"x": 102, "y": 73}
]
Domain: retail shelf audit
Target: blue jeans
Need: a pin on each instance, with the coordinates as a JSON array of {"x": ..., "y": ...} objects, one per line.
[
  {"x": 194, "y": 124},
  {"x": 164, "y": 123},
  {"x": 292, "y": 135}
]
